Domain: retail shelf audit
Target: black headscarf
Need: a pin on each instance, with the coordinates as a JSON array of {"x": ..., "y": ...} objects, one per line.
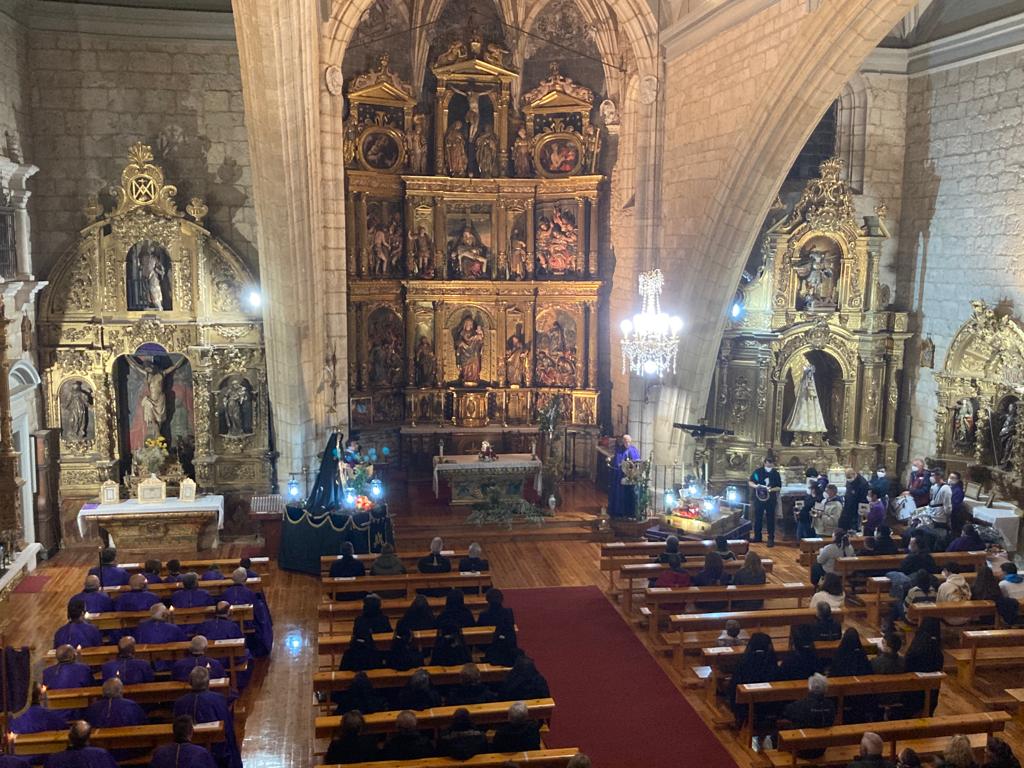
[
  {"x": 418, "y": 616},
  {"x": 925, "y": 652},
  {"x": 525, "y": 682},
  {"x": 362, "y": 653},
  {"x": 850, "y": 658}
]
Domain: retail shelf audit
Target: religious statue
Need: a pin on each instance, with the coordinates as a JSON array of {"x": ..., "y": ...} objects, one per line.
[
  {"x": 386, "y": 239},
  {"x": 472, "y": 111},
  {"x": 591, "y": 148},
  {"x": 350, "y": 141},
  {"x": 487, "y": 154},
  {"x": 154, "y": 401},
  {"x": 517, "y": 256},
  {"x": 416, "y": 146},
  {"x": 609, "y": 112},
  {"x": 964, "y": 424},
  {"x": 817, "y": 281},
  {"x": 516, "y": 359},
  {"x": 455, "y": 52},
  {"x": 556, "y": 358},
  {"x": 425, "y": 362},
  {"x": 385, "y": 342},
  {"x": 1008, "y": 436},
  {"x": 421, "y": 253},
  {"x": 76, "y": 412},
  {"x": 557, "y": 242},
  {"x": 469, "y": 349},
  {"x": 146, "y": 272},
  {"x": 468, "y": 254},
  {"x": 455, "y": 150},
  {"x": 522, "y": 154},
  {"x": 807, "y": 420},
  {"x": 236, "y": 408}
]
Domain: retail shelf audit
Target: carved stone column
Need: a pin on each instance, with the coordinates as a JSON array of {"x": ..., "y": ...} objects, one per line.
[{"x": 10, "y": 497}]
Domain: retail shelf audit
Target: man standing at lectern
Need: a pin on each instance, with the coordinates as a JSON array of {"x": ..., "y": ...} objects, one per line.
[{"x": 765, "y": 483}]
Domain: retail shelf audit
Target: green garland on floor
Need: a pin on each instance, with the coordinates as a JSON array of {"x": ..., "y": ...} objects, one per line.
[{"x": 499, "y": 509}]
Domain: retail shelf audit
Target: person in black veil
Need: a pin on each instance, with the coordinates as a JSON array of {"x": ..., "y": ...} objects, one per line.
[
  {"x": 496, "y": 614},
  {"x": 758, "y": 665},
  {"x": 503, "y": 651},
  {"x": 418, "y": 616},
  {"x": 326, "y": 493},
  {"x": 362, "y": 653},
  {"x": 801, "y": 662},
  {"x": 924, "y": 655},
  {"x": 455, "y": 611},
  {"x": 403, "y": 654},
  {"x": 360, "y": 696},
  {"x": 373, "y": 617},
  {"x": 524, "y": 682},
  {"x": 851, "y": 660},
  {"x": 450, "y": 649}
]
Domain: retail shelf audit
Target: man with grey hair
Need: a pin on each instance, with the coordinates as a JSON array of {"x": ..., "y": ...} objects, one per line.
[
  {"x": 113, "y": 710},
  {"x": 435, "y": 562},
  {"x": 407, "y": 743},
  {"x": 519, "y": 734},
  {"x": 474, "y": 563},
  {"x": 138, "y": 598},
  {"x": 261, "y": 640},
  {"x": 815, "y": 710},
  {"x": 207, "y": 707},
  {"x": 621, "y": 498},
  {"x": 95, "y": 599},
  {"x": 190, "y": 595},
  {"x": 79, "y": 754},
  {"x": 871, "y": 746},
  {"x": 159, "y": 629},
  {"x": 197, "y": 658}
]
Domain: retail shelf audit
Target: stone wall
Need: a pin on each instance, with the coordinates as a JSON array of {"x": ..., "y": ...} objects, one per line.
[
  {"x": 14, "y": 114},
  {"x": 94, "y": 95},
  {"x": 962, "y": 227}
]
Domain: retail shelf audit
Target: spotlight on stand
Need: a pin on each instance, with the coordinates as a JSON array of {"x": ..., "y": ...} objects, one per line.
[
  {"x": 732, "y": 495},
  {"x": 376, "y": 490},
  {"x": 293, "y": 488}
]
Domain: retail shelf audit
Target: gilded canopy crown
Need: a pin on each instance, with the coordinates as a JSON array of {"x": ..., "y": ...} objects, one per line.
[
  {"x": 557, "y": 83},
  {"x": 826, "y": 203}
]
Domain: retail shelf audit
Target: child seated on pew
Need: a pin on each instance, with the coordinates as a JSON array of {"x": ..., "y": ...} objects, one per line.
[{"x": 733, "y": 635}]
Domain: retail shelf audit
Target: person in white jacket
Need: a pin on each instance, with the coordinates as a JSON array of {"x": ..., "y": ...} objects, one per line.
[{"x": 954, "y": 589}]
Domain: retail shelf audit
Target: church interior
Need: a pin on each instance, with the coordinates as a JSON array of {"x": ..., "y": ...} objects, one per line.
[{"x": 424, "y": 383}]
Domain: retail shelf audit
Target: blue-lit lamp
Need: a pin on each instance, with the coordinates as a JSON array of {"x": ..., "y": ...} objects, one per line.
[
  {"x": 692, "y": 490},
  {"x": 372, "y": 454},
  {"x": 350, "y": 496},
  {"x": 732, "y": 495},
  {"x": 670, "y": 500},
  {"x": 376, "y": 489},
  {"x": 293, "y": 489},
  {"x": 386, "y": 451}
]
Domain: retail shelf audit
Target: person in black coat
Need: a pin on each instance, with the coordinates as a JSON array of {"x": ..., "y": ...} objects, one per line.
[
  {"x": 349, "y": 568},
  {"x": 815, "y": 710},
  {"x": 435, "y": 562},
  {"x": 826, "y": 628},
  {"x": 372, "y": 619},
  {"x": 474, "y": 563},
  {"x": 419, "y": 616},
  {"x": 801, "y": 662},
  {"x": 455, "y": 611},
  {"x": 850, "y": 660},
  {"x": 525, "y": 682},
  {"x": 883, "y": 543},
  {"x": 519, "y": 734},
  {"x": 856, "y": 494},
  {"x": 471, "y": 688},
  {"x": 349, "y": 744},
  {"x": 407, "y": 743},
  {"x": 362, "y": 653},
  {"x": 418, "y": 694},
  {"x": 496, "y": 614},
  {"x": 502, "y": 651},
  {"x": 450, "y": 649},
  {"x": 461, "y": 740},
  {"x": 924, "y": 655},
  {"x": 403, "y": 654},
  {"x": 757, "y": 665},
  {"x": 361, "y": 696}
]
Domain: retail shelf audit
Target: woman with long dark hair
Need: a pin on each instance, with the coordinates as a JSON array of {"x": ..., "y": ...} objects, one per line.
[
  {"x": 418, "y": 616},
  {"x": 758, "y": 665},
  {"x": 403, "y": 654},
  {"x": 924, "y": 655},
  {"x": 802, "y": 661}
]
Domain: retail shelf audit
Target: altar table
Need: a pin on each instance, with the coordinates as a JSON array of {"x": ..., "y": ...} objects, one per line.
[
  {"x": 171, "y": 524},
  {"x": 471, "y": 479},
  {"x": 1003, "y": 519}
]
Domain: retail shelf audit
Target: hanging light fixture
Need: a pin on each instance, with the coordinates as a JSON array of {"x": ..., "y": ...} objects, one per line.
[{"x": 650, "y": 341}]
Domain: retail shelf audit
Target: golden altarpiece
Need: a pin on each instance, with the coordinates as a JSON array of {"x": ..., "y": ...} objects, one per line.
[
  {"x": 145, "y": 335},
  {"x": 473, "y": 268},
  {"x": 809, "y": 368}
]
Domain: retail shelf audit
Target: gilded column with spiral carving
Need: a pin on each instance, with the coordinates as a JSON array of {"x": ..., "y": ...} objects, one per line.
[{"x": 10, "y": 499}]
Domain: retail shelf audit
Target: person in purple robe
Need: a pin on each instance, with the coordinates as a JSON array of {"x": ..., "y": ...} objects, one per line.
[
  {"x": 212, "y": 574},
  {"x": 10, "y": 761},
  {"x": 79, "y": 754},
  {"x": 77, "y": 632},
  {"x": 204, "y": 706},
  {"x": 246, "y": 562},
  {"x": 261, "y": 641},
  {"x": 37, "y": 718},
  {"x": 68, "y": 672},
  {"x": 158, "y": 629},
  {"x": 197, "y": 658},
  {"x": 114, "y": 710},
  {"x": 139, "y": 598},
  {"x": 622, "y": 498},
  {"x": 223, "y": 627},
  {"x": 190, "y": 596},
  {"x": 126, "y": 667},
  {"x": 174, "y": 574},
  {"x": 151, "y": 570},
  {"x": 182, "y": 753},
  {"x": 95, "y": 599},
  {"x": 109, "y": 572}
]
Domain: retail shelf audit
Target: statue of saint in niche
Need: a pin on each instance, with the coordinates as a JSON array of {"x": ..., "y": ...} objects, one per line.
[
  {"x": 522, "y": 154},
  {"x": 807, "y": 418},
  {"x": 1008, "y": 436},
  {"x": 964, "y": 424},
  {"x": 425, "y": 362},
  {"x": 487, "y": 151},
  {"x": 421, "y": 248},
  {"x": 416, "y": 146},
  {"x": 76, "y": 412},
  {"x": 154, "y": 401},
  {"x": 385, "y": 337},
  {"x": 469, "y": 348},
  {"x": 517, "y": 358},
  {"x": 468, "y": 254},
  {"x": 235, "y": 407},
  {"x": 455, "y": 150},
  {"x": 817, "y": 274},
  {"x": 517, "y": 266},
  {"x": 148, "y": 274}
]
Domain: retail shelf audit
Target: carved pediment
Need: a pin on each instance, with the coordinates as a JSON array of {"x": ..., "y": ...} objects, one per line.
[
  {"x": 558, "y": 92},
  {"x": 826, "y": 204},
  {"x": 381, "y": 86}
]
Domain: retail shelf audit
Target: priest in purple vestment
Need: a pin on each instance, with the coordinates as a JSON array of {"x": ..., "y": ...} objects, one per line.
[
  {"x": 110, "y": 573},
  {"x": 10, "y": 761},
  {"x": 37, "y": 718},
  {"x": 95, "y": 599},
  {"x": 174, "y": 574},
  {"x": 182, "y": 753},
  {"x": 205, "y": 706},
  {"x": 79, "y": 754},
  {"x": 68, "y": 672},
  {"x": 246, "y": 562},
  {"x": 223, "y": 627},
  {"x": 151, "y": 570},
  {"x": 77, "y": 632},
  {"x": 158, "y": 628},
  {"x": 114, "y": 710},
  {"x": 262, "y": 640},
  {"x": 190, "y": 596},
  {"x": 139, "y": 598},
  {"x": 126, "y": 667},
  {"x": 197, "y": 658},
  {"x": 212, "y": 574}
]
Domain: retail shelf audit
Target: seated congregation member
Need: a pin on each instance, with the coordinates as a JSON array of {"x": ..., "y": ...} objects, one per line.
[
  {"x": 1012, "y": 583},
  {"x": 461, "y": 740},
  {"x": 68, "y": 672},
  {"x": 455, "y": 610},
  {"x": 908, "y": 758},
  {"x": 261, "y": 641},
  {"x": 79, "y": 754},
  {"x": 158, "y": 628},
  {"x": 876, "y": 513},
  {"x": 924, "y": 655},
  {"x": 871, "y": 746},
  {"x": 524, "y": 682},
  {"x": 361, "y": 653},
  {"x": 671, "y": 548},
  {"x": 246, "y": 562},
  {"x": 830, "y": 553},
  {"x": 419, "y": 694},
  {"x": 450, "y": 649},
  {"x": 37, "y": 718},
  {"x": 182, "y": 753},
  {"x": 474, "y": 563},
  {"x": 471, "y": 688},
  {"x": 850, "y": 660},
  {"x": 496, "y": 614},
  {"x": 197, "y": 658},
  {"x": 733, "y": 635},
  {"x": 815, "y": 710},
  {"x": 190, "y": 595},
  {"x": 77, "y": 632},
  {"x": 213, "y": 573},
  {"x": 999, "y": 755},
  {"x": 387, "y": 563},
  {"x": 114, "y": 710},
  {"x": 360, "y": 696},
  {"x": 519, "y": 734},
  {"x": 407, "y": 743},
  {"x": 94, "y": 599},
  {"x": 722, "y": 548},
  {"x": 825, "y": 627},
  {"x": 174, "y": 574},
  {"x": 347, "y": 566},
  {"x": 958, "y": 515},
  {"x": 675, "y": 576},
  {"x": 922, "y": 590},
  {"x": 888, "y": 660},
  {"x": 151, "y": 570},
  {"x": 985, "y": 587},
  {"x": 918, "y": 558},
  {"x": 881, "y": 543},
  {"x": 751, "y": 574},
  {"x": 801, "y": 662},
  {"x": 435, "y": 562},
  {"x": 957, "y": 754},
  {"x": 220, "y": 626},
  {"x": 350, "y": 744},
  {"x": 953, "y": 589},
  {"x": 418, "y": 616},
  {"x": 126, "y": 667},
  {"x": 711, "y": 575},
  {"x": 758, "y": 665},
  {"x": 373, "y": 618},
  {"x": 831, "y": 592},
  {"x": 207, "y": 707},
  {"x": 403, "y": 654},
  {"x": 969, "y": 540},
  {"x": 502, "y": 651},
  {"x": 108, "y": 571},
  {"x": 139, "y": 598}
]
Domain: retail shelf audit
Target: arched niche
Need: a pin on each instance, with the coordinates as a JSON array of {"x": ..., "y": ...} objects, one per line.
[
  {"x": 832, "y": 388},
  {"x": 148, "y": 277}
]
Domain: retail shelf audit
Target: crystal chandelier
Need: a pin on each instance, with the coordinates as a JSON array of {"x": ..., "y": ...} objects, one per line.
[{"x": 650, "y": 341}]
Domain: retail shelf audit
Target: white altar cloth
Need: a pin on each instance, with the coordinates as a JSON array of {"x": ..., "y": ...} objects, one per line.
[
  {"x": 1003, "y": 519},
  {"x": 133, "y": 507},
  {"x": 459, "y": 464}
]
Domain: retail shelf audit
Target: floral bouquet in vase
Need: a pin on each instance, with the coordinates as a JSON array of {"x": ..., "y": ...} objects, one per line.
[{"x": 151, "y": 456}]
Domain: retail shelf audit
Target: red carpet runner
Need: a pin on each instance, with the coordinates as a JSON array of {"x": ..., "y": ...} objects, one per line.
[{"x": 611, "y": 698}]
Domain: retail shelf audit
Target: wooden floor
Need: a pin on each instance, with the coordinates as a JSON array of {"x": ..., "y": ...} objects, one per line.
[{"x": 278, "y": 705}]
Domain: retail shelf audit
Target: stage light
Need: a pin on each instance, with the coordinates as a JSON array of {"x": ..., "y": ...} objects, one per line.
[
  {"x": 737, "y": 310},
  {"x": 386, "y": 451},
  {"x": 692, "y": 490},
  {"x": 376, "y": 489},
  {"x": 372, "y": 454},
  {"x": 709, "y": 505},
  {"x": 293, "y": 642},
  {"x": 254, "y": 299}
]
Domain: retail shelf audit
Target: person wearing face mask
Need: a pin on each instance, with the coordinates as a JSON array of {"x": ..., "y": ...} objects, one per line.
[
  {"x": 958, "y": 517},
  {"x": 882, "y": 484},
  {"x": 855, "y": 495},
  {"x": 919, "y": 483},
  {"x": 829, "y": 510},
  {"x": 765, "y": 483}
]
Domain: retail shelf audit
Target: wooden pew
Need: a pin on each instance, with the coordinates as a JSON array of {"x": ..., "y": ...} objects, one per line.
[
  {"x": 440, "y": 717},
  {"x": 409, "y": 561},
  {"x": 335, "y": 645},
  {"x": 686, "y": 623},
  {"x": 131, "y": 619},
  {"x": 925, "y": 735},
  {"x": 407, "y": 582},
  {"x": 346, "y": 611},
  {"x": 657, "y": 599},
  {"x": 160, "y": 692},
  {"x": 966, "y": 609},
  {"x": 839, "y": 688},
  {"x": 336, "y": 680},
  {"x": 147, "y": 737},
  {"x": 636, "y": 571},
  {"x": 542, "y": 758},
  {"x": 877, "y": 595},
  {"x": 848, "y": 566},
  {"x": 260, "y": 565},
  {"x": 988, "y": 648},
  {"x": 809, "y": 548},
  {"x": 615, "y": 554},
  {"x": 164, "y": 591}
]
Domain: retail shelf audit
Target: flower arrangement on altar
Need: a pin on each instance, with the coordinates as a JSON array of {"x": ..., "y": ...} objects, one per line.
[
  {"x": 151, "y": 455},
  {"x": 487, "y": 452}
]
